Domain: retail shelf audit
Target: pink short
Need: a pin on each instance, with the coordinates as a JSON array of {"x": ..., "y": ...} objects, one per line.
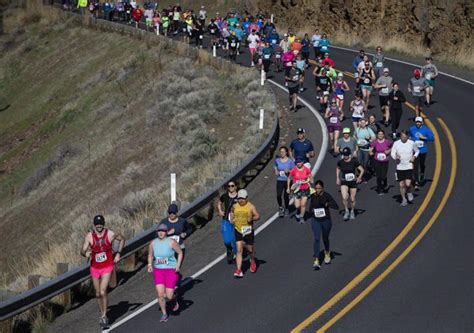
[
  {"x": 97, "y": 273},
  {"x": 165, "y": 276},
  {"x": 252, "y": 50}
]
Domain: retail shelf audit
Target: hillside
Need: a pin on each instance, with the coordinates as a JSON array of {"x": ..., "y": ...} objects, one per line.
[{"x": 96, "y": 121}]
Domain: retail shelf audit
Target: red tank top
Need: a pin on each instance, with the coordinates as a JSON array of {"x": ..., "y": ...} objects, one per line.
[{"x": 101, "y": 251}]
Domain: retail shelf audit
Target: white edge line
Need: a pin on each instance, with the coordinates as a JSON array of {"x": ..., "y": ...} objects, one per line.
[
  {"x": 407, "y": 63},
  {"x": 317, "y": 165}
]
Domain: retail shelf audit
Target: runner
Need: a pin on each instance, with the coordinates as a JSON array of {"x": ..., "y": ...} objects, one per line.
[
  {"x": 384, "y": 86},
  {"x": 323, "y": 87},
  {"x": 416, "y": 87},
  {"x": 293, "y": 79},
  {"x": 232, "y": 45},
  {"x": 285, "y": 44},
  {"x": 315, "y": 39},
  {"x": 347, "y": 141},
  {"x": 378, "y": 61},
  {"x": 340, "y": 87},
  {"x": 267, "y": 54},
  {"x": 347, "y": 179},
  {"x": 253, "y": 41},
  {"x": 405, "y": 151},
  {"x": 202, "y": 15},
  {"x": 429, "y": 72},
  {"x": 305, "y": 47},
  {"x": 282, "y": 168},
  {"x": 243, "y": 216},
  {"x": 324, "y": 44},
  {"x": 357, "y": 107},
  {"x": 224, "y": 206},
  {"x": 380, "y": 150},
  {"x": 372, "y": 124},
  {"x": 334, "y": 116},
  {"x": 355, "y": 63},
  {"x": 137, "y": 14},
  {"x": 178, "y": 228},
  {"x": 214, "y": 32},
  {"x": 319, "y": 206},
  {"x": 364, "y": 136},
  {"x": 301, "y": 65},
  {"x": 98, "y": 247},
  {"x": 396, "y": 100},
  {"x": 300, "y": 179},
  {"x": 327, "y": 60},
  {"x": 162, "y": 262},
  {"x": 421, "y": 135},
  {"x": 301, "y": 146},
  {"x": 367, "y": 78}
]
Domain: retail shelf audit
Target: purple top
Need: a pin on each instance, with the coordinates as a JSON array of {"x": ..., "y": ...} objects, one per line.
[
  {"x": 380, "y": 148},
  {"x": 334, "y": 114}
]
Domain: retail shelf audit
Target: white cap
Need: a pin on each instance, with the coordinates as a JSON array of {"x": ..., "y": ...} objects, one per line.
[
  {"x": 419, "y": 119},
  {"x": 242, "y": 194},
  {"x": 386, "y": 69},
  {"x": 340, "y": 74}
]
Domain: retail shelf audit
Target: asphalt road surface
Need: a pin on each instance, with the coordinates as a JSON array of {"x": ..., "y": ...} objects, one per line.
[{"x": 424, "y": 286}]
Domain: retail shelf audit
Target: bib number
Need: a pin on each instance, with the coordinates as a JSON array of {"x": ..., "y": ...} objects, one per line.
[
  {"x": 349, "y": 177},
  {"x": 325, "y": 93},
  {"x": 296, "y": 77},
  {"x": 384, "y": 91},
  {"x": 176, "y": 238},
  {"x": 428, "y": 76},
  {"x": 381, "y": 156},
  {"x": 362, "y": 142},
  {"x": 201, "y": 36},
  {"x": 379, "y": 64},
  {"x": 416, "y": 89},
  {"x": 213, "y": 31},
  {"x": 356, "y": 75},
  {"x": 419, "y": 143},
  {"x": 232, "y": 44},
  {"x": 266, "y": 56},
  {"x": 274, "y": 41},
  {"x": 366, "y": 81},
  {"x": 246, "y": 230},
  {"x": 161, "y": 261},
  {"x": 333, "y": 120},
  {"x": 278, "y": 56},
  {"x": 282, "y": 174},
  {"x": 324, "y": 48},
  {"x": 319, "y": 212},
  {"x": 101, "y": 257}
]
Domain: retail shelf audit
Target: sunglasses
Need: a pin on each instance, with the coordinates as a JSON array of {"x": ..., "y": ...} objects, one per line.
[
  {"x": 229, "y": 186},
  {"x": 161, "y": 230}
]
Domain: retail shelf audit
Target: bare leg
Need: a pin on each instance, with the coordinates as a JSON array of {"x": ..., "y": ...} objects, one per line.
[
  {"x": 160, "y": 290},
  {"x": 238, "y": 257}
]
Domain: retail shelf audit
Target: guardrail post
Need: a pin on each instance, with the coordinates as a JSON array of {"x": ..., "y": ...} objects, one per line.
[
  {"x": 33, "y": 281},
  {"x": 64, "y": 299}
]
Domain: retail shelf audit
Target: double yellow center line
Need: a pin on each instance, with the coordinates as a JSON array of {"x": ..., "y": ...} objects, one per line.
[{"x": 389, "y": 249}]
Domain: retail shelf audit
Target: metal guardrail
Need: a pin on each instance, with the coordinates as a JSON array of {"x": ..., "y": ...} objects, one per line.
[{"x": 30, "y": 298}]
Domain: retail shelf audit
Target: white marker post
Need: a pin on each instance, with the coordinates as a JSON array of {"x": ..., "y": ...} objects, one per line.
[
  {"x": 271, "y": 18},
  {"x": 214, "y": 51},
  {"x": 262, "y": 77},
  {"x": 261, "y": 119},
  {"x": 173, "y": 187},
  {"x": 158, "y": 29}
]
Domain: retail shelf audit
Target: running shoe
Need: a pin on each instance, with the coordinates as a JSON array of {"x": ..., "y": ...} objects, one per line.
[
  {"x": 287, "y": 212},
  {"x": 327, "y": 257},
  {"x": 281, "y": 212},
  {"x": 164, "y": 318},
  {"x": 404, "y": 203},
  {"x": 238, "y": 273},
  {"x": 346, "y": 215},
  {"x": 410, "y": 197},
  {"x": 316, "y": 264},
  {"x": 253, "y": 266},
  {"x": 104, "y": 322},
  {"x": 176, "y": 306},
  {"x": 352, "y": 215}
]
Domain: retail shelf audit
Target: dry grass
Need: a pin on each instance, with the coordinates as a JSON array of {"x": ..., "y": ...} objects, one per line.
[{"x": 128, "y": 130}]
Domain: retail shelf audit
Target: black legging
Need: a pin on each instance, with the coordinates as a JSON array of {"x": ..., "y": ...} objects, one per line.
[
  {"x": 419, "y": 165},
  {"x": 305, "y": 56},
  {"x": 395, "y": 116},
  {"x": 281, "y": 189},
  {"x": 381, "y": 169}
]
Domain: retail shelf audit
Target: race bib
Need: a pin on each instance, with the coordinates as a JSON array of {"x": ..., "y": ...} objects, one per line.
[
  {"x": 381, "y": 156},
  {"x": 246, "y": 230},
  {"x": 282, "y": 174},
  {"x": 366, "y": 81},
  {"x": 296, "y": 77},
  {"x": 379, "y": 64},
  {"x": 419, "y": 143},
  {"x": 176, "y": 238},
  {"x": 333, "y": 120},
  {"x": 278, "y": 56},
  {"x": 161, "y": 261},
  {"x": 349, "y": 177},
  {"x": 325, "y": 93},
  {"x": 100, "y": 257},
  {"x": 232, "y": 44},
  {"x": 428, "y": 76},
  {"x": 201, "y": 36},
  {"x": 319, "y": 212},
  {"x": 213, "y": 31},
  {"x": 416, "y": 89},
  {"x": 384, "y": 90},
  {"x": 356, "y": 75},
  {"x": 274, "y": 41},
  {"x": 266, "y": 56},
  {"x": 324, "y": 48},
  {"x": 362, "y": 142}
]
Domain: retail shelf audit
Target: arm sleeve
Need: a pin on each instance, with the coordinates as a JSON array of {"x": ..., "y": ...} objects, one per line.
[
  {"x": 311, "y": 148},
  {"x": 331, "y": 202},
  {"x": 393, "y": 153},
  {"x": 429, "y": 134},
  {"x": 402, "y": 98}
]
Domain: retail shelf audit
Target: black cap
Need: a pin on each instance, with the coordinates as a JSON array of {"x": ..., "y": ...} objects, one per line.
[
  {"x": 300, "y": 130},
  {"x": 346, "y": 151},
  {"x": 99, "y": 220}
]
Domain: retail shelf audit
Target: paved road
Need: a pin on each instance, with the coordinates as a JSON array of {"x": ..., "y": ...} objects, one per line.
[{"x": 431, "y": 290}]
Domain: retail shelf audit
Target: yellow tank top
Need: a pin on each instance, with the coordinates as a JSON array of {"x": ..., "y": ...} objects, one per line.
[
  {"x": 241, "y": 216},
  {"x": 291, "y": 39}
]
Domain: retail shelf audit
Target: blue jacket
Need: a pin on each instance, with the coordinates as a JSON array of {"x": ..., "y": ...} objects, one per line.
[
  {"x": 425, "y": 131},
  {"x": 273, "y": 36},
  {"x": 356, "y": 61}
]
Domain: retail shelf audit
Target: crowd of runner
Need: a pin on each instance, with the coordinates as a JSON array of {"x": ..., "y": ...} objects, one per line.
[{"x": 361, "y": 144}]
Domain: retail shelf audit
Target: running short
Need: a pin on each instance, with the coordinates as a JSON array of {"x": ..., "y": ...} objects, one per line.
[
  {"x": 302, "y": 193},
  {"x": 431, "y": 83},
  {"x": 364, "y": 87},
  {"x": 252, "y": 50},
  {"x": 248, "y": 239},
  {"x": 418, "y": 100},
  {"x": 349, "y": 184},
  {"x": 97, "y": 273},
  {"x": 293, "y": 90},
  {"x": 383, "y": 100},
  {"x": 404, "y": 175},
  {"x": 340, "y": 97},
  {"x": 165, "y": 276},
  {"x": 355, "y": 119},
  {"x": 332, "y": 128}
]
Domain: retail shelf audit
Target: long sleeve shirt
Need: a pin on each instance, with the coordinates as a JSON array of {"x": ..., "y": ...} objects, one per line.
[
  {"x": 421, "y": 143},
  {"x": 320, "y": 204},
  {"x": 403, "y": 152}
]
